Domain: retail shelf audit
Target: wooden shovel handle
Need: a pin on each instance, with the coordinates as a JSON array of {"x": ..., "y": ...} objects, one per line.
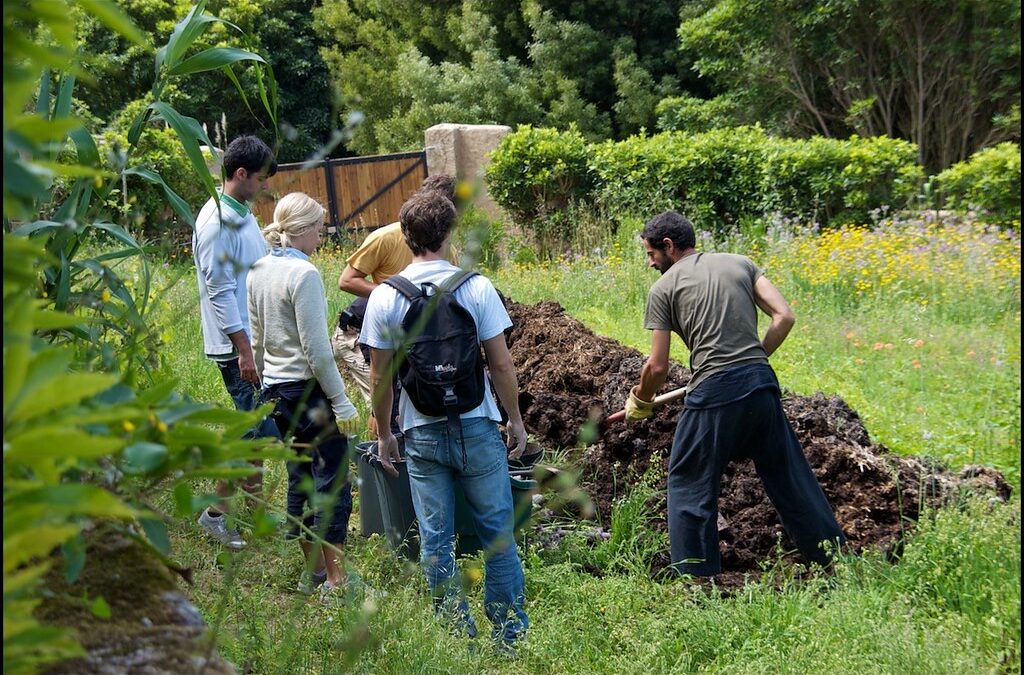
[{"x": 663, "y": 398}]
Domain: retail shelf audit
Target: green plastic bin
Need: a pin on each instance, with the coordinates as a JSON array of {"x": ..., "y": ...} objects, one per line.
[{"x": 371, "y": 520}]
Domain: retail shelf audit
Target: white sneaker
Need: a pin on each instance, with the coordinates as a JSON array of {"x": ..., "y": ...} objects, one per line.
[{"x": 217, "y": 527}]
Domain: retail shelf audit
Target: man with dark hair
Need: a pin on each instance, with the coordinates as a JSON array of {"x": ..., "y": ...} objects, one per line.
[
  {"x": 226, "y": 242},
  {"x": 733, "y": 408},
  {"x": 383, "y": 254},
  {"x": 466, "y": 449}
]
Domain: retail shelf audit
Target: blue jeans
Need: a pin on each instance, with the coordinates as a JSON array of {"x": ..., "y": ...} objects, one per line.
[
  {"x": 244, "y": 396},
  {"x": 437, "y": 458}
]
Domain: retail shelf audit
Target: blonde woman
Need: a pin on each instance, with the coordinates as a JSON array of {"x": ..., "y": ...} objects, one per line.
[{"x": 288, "y": 312}]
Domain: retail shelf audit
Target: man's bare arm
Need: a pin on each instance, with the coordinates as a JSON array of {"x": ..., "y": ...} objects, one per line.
[
  {"x": 506, "y": 386},
  {"x": 355, "y": 282},
  {"x": 655, "y": 370},
  {"x": 771, "y": 302}
]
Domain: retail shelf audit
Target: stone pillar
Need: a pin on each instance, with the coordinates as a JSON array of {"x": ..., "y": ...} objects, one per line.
[{"x": 461, "y": 150}]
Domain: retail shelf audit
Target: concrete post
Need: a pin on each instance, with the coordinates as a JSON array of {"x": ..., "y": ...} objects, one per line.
[{"x": 461, "y": 150}]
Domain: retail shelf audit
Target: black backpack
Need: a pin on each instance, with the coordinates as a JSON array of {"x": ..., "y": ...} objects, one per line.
[{"x": 442, "y": 369}]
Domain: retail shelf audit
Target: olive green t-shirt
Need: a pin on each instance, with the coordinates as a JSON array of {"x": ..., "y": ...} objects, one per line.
[{"x": 708, "y": 300}]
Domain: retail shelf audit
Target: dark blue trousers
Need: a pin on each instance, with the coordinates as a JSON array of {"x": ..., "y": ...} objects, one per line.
[
  {"x": 707, "y": 439},
  {"x": 303, "y": 411}
]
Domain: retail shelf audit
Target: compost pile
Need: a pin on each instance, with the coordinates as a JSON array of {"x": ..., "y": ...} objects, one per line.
[{"x": 569, "y": 377}]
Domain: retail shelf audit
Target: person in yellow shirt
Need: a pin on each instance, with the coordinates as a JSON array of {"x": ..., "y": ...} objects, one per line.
[{"x": 382, "y": 255}]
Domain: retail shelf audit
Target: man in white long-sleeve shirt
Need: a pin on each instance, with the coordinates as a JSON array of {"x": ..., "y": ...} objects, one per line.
[{"x": 226, "y": 242}]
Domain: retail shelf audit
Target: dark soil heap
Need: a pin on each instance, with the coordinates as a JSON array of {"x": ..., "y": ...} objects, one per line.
[{"x": 569, "y": 376}]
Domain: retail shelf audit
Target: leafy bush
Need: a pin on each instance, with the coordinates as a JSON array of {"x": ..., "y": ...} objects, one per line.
[
  {"x": 695, "y": 115},
  {"x": 718, "y": 178},
  {"x": 84, "y": 444},
  {"x": 535, "y": 172},
  {"x": 827, "y": 180},
  {"x": 145, "y": 207},
  {"x": 989, "y": 181}
]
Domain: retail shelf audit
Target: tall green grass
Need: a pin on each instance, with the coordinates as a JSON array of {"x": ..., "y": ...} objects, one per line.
[{"x": 951, "y": 606}]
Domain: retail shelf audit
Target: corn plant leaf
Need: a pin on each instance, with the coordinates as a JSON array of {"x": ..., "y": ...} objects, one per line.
[
  {"x": 180, "y": 206},
  {"x": 43, "y": 99},
  {"x": 119, "y": 233},
  {"x": 37, "y": 226},
  {"x": 88, "y": 153},
  {"x": 230, "y": 73},
  {"x": 72, "y": 170},
  {"x": 184, "y": 34},
  {"x": 39, "y": 130},
  {"x": 62, "y": 106},
  {"x": 214, "y": 58},
  {"x": 189, "y": 131}
]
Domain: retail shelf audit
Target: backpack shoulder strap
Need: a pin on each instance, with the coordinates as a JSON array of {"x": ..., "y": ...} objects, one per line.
[
  {"x": 457, "y": 279},
  {"x": 404, "y": 286}
]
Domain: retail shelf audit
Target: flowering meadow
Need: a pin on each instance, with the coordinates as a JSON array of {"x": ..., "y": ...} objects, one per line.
[{"x": 920, "y": 260}]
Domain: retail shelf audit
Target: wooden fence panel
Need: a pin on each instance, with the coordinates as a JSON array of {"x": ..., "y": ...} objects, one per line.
[{"x": 363, "y": 193}]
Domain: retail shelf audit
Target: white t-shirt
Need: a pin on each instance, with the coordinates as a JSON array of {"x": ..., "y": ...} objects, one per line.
[{"x": 387, "y": 308}]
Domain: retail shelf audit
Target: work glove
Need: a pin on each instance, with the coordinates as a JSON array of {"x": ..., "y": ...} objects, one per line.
[
  {"x": 637, "y": 408},
  {"x": 348, "y": 427}
]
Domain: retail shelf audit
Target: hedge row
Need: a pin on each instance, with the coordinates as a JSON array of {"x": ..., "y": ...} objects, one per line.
[
  {"x": 722, "y": 176},
  {"x": 989, "y": 181}
]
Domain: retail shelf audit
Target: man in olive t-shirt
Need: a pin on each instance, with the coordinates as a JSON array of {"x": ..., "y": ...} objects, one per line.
[{"x": 733, "y": 405}]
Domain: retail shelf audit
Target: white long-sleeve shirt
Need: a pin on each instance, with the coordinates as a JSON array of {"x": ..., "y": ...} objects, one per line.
[
  {"x": 288, "y": 313},
  {"x": 225, "y": 244}
]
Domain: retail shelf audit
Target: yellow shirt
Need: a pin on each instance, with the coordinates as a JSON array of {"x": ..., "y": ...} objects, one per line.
[{"x": 384, "y": 254}]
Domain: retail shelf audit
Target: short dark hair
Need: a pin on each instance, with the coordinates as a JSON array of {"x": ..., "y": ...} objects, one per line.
[
  {"x": 442, "y": 183},
  {"x": 249, "y": 153},
  {"x": 426, "y": 220},
  {"x": 669, "y": 225}
]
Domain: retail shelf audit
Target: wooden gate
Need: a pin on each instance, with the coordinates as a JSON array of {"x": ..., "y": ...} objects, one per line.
[{"x": 359, "y": 193}]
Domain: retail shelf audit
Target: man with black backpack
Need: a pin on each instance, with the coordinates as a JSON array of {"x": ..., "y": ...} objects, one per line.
[
  {"x": 428, "y": 323},
  {"x": 382, "y": 255}
]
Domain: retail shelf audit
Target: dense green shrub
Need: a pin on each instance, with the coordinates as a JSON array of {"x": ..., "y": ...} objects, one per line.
[
  {"x": 536, "y": 171},
  {"x": 833, "y": 181},
  {"x": 635, "y": 173},
  {"x": 718, "y": 178},
  {"x": 989, "y": 181},
  {"x": 695, "y": 115},
  {"x": 144, "y": 205}
]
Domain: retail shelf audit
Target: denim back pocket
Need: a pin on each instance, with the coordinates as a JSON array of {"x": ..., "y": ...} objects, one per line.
[{"x": 423, "y": 447}]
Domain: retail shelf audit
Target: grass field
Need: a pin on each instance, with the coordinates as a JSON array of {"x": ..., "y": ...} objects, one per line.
[{"x": 916, "y": 326}]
